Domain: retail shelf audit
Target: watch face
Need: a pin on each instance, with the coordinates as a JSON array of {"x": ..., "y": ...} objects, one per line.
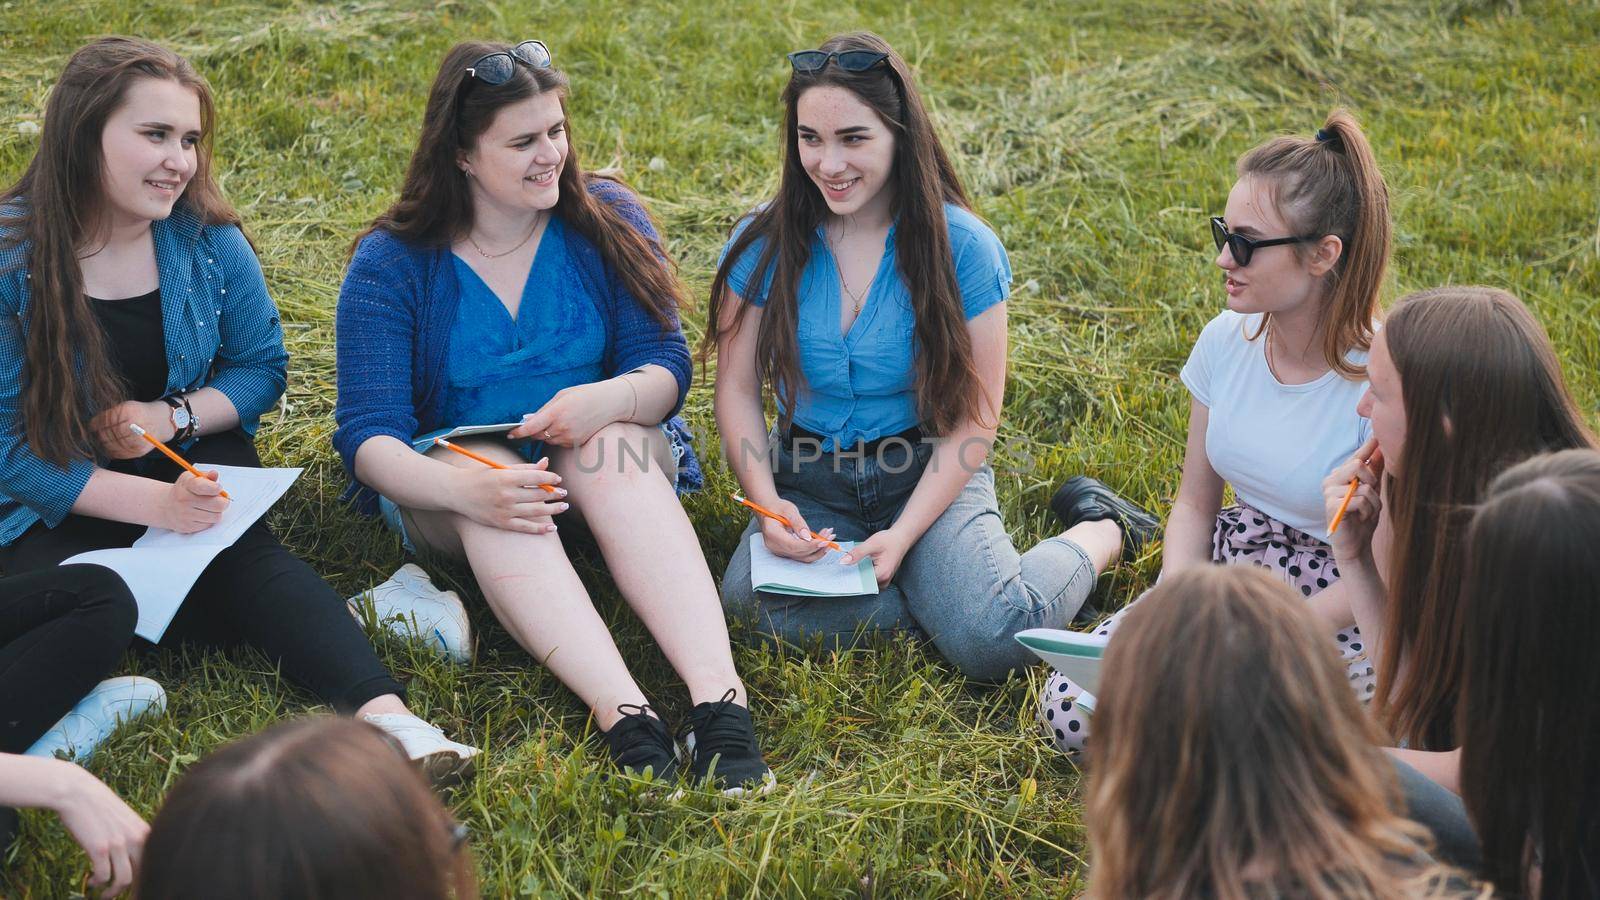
[{"x": 180, "y": 418}]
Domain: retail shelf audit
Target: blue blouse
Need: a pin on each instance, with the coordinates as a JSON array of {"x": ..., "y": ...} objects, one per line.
[
  {"x": 860, "y": 385},
  {"x": 499, "y": 368}
]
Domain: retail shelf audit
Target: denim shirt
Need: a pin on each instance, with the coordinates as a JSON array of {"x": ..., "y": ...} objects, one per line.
[
  {"x": 221, "y": 331},
  {"x": 860, "y": 385}
]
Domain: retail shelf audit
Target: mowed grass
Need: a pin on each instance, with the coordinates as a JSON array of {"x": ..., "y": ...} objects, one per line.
[{"x": 1095, "y": 137}]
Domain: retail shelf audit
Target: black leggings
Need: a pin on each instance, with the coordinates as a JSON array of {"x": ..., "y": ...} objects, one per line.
[{"x": 254, "y": 593}]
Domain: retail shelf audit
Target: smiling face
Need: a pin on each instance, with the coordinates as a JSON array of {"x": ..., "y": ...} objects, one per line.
[
  {"x": 150, "y": 148},
  {"x": 516, "y": 163},
  {"x": 1278, "y": 279},
  {"x": 1382, "y": 404},
  {"x": 847, "y": 150}
]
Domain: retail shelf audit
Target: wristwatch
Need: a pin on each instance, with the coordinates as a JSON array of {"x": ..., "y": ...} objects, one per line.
[{"x": 184, "y": 422}]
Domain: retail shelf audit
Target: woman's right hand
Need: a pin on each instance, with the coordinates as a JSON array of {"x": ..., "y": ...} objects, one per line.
[
  {"x": 799, "y": 543},
  {"x": 109, "y": 831},
  {"x": 192, "y": 504},
  {"x": 1352, "y": 541},
  {"x": 510, "y": 499}
]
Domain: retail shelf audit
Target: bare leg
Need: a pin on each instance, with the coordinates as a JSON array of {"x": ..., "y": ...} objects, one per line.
[
  {"x": 616, "y": 484},
  {"x": 535, "y": 593},
  {"x": 1100, "y": 539}
]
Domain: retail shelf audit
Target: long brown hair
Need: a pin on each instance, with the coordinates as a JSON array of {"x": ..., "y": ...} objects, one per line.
[
  {"x": 53, "y": 208},
  {"x": 1529, "y": 721},
  {"x": 1331, "y": 184},
  {"x": 1482, "y": 390},
  {"x": 949, "y": 392},
  {"x": 1231, "y": 758},
  {"x": 435, "y": 203},
  {"x": 317, "y": 809}
]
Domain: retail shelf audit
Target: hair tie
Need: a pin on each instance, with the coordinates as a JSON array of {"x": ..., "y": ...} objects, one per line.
[{"x": 1324, "y": 136}]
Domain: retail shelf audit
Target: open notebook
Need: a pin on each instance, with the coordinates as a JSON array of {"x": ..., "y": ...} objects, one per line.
[
  {"x": 1072, "y": 653},
  {"x": 823, "y": 578}
]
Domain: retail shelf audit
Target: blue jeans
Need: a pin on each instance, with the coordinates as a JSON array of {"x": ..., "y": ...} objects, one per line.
[{"x": 963, "y": 585}]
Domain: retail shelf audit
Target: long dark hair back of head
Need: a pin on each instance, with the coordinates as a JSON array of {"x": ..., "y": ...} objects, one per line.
[
  {"x": 948, "y": 391},
  {"x": 1331, "y": 184},
  {"x": 1529, "y": 721},
  {"x": 54, "y": 209},
  {"x": 317, "y": 809},
  {"x": 1482, "y": 390},
  {"x": 435, "y": 203}
]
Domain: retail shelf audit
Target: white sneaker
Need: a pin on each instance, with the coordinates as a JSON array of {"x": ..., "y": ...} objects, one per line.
[
  {"x": 444, "y": 761},
  {"x": 97, "y": 715},
  {"x": 409, "y": 605}
]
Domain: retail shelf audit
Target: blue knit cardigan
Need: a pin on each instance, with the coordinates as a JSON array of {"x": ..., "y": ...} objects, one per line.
[{"x": 396, "y": 310}]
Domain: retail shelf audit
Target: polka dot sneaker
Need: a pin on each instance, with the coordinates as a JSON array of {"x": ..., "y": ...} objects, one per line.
[
  {"x": 86, "y": 726},
  {"x": 409, "y": 605}
]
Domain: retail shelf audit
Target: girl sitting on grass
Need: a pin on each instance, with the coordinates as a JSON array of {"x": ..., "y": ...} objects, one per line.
[
  {"x": 1274, "y": 378},
  {"x": 1465, "y": 384},
  {"x": 316, "y": 809},
  {"x": 129, "y": 296},
  {"x": 1530, "y": 726},
  {"x": 1233, "y": 761},
  {"x": 506, "y": 285},
  {"x": 870, "y": 300}
]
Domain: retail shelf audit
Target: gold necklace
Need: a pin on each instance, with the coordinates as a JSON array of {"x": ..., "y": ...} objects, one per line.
[
  {"x": 537, "y": 221},
  {"x": 855, "y": 301}
]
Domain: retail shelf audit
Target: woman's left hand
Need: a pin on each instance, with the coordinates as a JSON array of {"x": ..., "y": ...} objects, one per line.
[
  {"x": 117, "y": 441},
  {"x": 574, "y": 414},
  {"x": 886, "y": 549}
]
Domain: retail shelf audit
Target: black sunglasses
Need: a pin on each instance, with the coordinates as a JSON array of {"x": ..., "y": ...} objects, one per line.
[
  {"x": 1241, "y": 247},
  {"x": 808, "y": 62},
  {"x": 497, "y": 68}
]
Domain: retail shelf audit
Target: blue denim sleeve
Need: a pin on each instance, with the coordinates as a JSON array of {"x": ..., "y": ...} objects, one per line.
[
  {"x": 743, "y": 271},
  {"x": 46, "y": 489},
  {"x": 251, "y": 362},
  {"x": 983, "y": 270}
]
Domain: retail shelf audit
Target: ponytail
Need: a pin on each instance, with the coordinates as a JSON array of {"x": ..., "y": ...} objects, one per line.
[{"x": 1331, "y": 184}]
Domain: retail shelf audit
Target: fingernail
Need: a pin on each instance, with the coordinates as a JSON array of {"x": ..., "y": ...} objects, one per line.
[{"x": 561, "y": 506}]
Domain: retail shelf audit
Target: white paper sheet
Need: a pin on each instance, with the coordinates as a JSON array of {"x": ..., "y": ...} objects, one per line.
[
  {"x": 823, "y": 578},
  {"x": 162, "y": 566}
]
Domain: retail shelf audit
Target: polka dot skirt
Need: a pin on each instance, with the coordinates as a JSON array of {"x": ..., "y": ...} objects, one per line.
[{"x": 1243, "y": 536}]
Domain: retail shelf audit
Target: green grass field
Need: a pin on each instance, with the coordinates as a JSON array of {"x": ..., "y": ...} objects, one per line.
[{"x": 1095, "y": 136}]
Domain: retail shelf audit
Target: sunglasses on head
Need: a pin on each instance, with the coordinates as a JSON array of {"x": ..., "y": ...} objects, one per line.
[
  {"x": 498, "y": 67},
  {"x": 808, "y": 62},
  {"x": 1241, "y": 247}
]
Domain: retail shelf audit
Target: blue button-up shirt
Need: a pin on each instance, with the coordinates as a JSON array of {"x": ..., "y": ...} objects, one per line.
[
  {"x": 861, "y": 385},
  {"x": 221, "y": 330}
]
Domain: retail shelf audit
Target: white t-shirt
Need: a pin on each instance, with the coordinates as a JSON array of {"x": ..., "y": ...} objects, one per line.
[{"x": 1273, "y": 442}]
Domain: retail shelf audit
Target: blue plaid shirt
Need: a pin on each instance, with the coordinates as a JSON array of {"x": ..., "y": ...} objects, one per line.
[{"x": 222, "y": 331}]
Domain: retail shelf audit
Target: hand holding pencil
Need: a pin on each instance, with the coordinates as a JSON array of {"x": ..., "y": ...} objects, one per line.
[
  {"x": 512, "y": 497},
  {"x": 194, "y": 502},
  {"x": 785, "y": 532},
  {"x": 1352, "y": 498}
]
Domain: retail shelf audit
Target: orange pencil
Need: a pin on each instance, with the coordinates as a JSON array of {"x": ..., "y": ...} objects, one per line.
[
  {"x": 775, "y": 517},
  {"x": 170, "y": 455},
  {"x": 483, "y": 459},
  {"x": 1351, "y": 492}
]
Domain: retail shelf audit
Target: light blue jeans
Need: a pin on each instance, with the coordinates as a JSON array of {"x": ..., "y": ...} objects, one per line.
[{"x": 963, "y": 585}]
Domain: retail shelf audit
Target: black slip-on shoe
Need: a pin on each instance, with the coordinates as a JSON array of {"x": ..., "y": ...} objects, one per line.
[{"x": 1085, "y": 499}]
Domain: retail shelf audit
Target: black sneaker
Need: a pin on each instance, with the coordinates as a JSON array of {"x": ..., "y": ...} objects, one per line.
[
  {"x": 721, "y": 741},
  {"x": 640, "y": 743},
  {"x": 1083, "y": 499}
]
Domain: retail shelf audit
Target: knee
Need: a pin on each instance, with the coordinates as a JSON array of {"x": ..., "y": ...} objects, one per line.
[
  {"x": 620, "y": 448},
  {"x": 979, "y": 654},
  {"x": 103, "y": 594}
]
